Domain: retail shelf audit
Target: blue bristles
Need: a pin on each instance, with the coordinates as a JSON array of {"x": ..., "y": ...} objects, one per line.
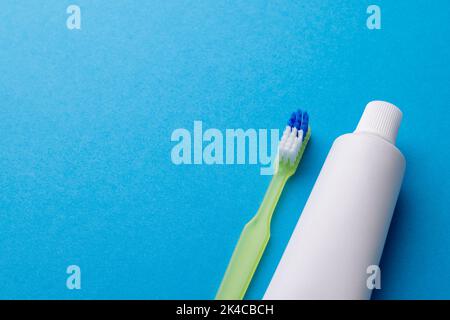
[
  {"x": 292, "y": 119},
  {"x": 305, "y": 122},
  {"x": 305, "y": 117},
  {"x": 300, "y": 121}
]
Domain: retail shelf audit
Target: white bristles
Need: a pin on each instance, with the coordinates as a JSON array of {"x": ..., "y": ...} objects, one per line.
[
  {"x": 286, "y": 133},
  {"x": 290, "y": 144}
]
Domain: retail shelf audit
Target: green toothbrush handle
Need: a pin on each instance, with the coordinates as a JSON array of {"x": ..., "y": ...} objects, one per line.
[{"x": 251, "y": 245}]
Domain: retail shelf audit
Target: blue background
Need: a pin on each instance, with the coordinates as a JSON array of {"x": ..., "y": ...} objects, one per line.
[{"x": 86, "y": 117}]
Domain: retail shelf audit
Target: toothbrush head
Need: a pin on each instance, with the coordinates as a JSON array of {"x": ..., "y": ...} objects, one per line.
[{"x": 293, "y": 142}]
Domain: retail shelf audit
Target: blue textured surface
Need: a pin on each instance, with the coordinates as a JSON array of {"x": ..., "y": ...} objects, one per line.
[{"x": 86, "y": 117}]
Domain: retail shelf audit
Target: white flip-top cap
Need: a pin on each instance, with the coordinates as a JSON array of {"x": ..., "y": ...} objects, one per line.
[{"x": 381, "y": 118}]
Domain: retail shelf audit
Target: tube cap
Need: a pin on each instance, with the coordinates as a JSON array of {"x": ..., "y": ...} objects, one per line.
[{"x": 381, "y": 118}]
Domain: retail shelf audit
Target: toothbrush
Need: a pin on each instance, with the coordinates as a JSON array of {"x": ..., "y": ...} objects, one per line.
[{"x": 256, "y": 233}]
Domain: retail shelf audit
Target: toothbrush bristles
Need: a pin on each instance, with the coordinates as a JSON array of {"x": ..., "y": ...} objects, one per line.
[{"x": 293, "y": 137}]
